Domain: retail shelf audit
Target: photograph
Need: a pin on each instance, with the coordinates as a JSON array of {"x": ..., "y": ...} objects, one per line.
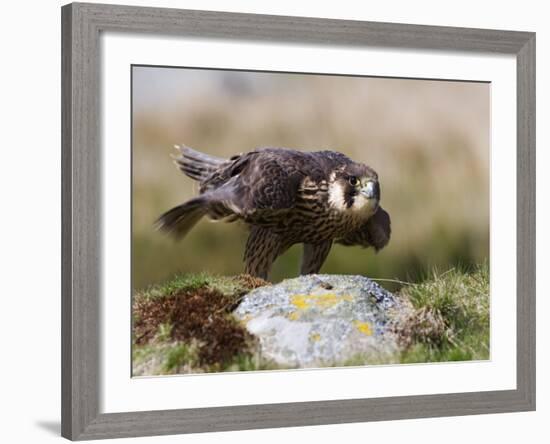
[{"x": 285, "y": 221}]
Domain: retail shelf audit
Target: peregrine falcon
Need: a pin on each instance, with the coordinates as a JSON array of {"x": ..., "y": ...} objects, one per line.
[{"x": 285, "y": 197}]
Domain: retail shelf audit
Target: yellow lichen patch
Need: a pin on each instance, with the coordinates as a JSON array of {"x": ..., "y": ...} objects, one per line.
[
  {"x": 315, "y": 337},
  {"x": 363, "y": 327},
  {"x": 327, "y": 300},
  {"x": 294, "y": 316},
  {"x": 300, "y": 301}
]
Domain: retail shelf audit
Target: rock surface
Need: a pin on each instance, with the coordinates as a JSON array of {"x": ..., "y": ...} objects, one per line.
[{"x": 321, "y": 320}]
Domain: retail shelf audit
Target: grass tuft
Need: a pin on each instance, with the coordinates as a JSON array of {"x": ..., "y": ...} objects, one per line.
[
  {"x": 180, "y": 356},
  {"x": 449, "y": 320}
]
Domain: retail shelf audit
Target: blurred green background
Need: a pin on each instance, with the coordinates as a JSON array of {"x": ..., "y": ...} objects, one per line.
[{"x": 428, "y": 141}]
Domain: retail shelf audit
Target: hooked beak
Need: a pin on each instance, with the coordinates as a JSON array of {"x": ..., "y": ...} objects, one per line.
[{"x": 370, "y": 190}]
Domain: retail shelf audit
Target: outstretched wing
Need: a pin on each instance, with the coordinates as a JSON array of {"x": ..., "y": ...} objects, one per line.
[{"x": 375, "y": 232}]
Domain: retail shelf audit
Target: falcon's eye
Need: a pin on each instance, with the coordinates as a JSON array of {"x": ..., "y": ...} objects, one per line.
[{"x": 353, "y": 181}]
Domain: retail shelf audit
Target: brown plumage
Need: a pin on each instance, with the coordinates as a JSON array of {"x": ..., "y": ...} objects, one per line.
[{"x": 286, "y": 197}]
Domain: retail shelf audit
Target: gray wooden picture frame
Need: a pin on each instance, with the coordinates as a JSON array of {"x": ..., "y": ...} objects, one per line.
[{"x": 81, "y": 234}]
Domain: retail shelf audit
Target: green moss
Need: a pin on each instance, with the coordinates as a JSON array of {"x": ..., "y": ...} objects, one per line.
[
  {"x": 179, "y": 282},
  {"x": 228, "y": 285},
  {"x": 163, "y": 358}
]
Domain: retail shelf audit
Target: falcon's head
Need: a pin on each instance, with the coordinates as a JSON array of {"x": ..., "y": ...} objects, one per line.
[{"x": 355, "y": 188}]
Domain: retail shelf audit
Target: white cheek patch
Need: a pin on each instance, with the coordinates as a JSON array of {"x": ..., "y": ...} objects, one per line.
[
  {"x": 336, "y": 196},
  {"x": 363, "y": 205}
]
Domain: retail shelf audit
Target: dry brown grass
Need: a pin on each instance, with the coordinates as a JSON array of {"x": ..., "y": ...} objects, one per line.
[{"x": 185, "y": 325}]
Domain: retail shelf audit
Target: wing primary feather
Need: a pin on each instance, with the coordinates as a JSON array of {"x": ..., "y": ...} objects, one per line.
[
  {"x": 196, "y": 165},
  {"x": 197, "y": 156},
  {"x": 179, "y": 220}
]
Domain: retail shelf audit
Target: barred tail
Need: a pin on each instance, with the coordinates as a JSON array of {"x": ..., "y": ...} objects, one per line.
[
  {"x": 196, "y": 165},
  {"x": 179, "y": 220}
]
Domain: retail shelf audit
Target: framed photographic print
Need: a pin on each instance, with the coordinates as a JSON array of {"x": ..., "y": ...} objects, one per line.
[{"x": 278, "y": 221}]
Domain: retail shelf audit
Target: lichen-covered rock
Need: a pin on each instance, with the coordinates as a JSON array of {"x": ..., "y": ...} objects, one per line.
[{"x": 321, "y": 320}]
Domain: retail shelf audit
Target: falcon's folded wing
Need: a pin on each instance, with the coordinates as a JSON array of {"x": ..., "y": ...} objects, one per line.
[{"x": 375, "y": 232}]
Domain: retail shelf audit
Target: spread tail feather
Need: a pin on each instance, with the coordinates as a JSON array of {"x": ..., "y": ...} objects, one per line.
[
  {"x": 179, "y": 220},
  {"x": 196, "y": 165}
]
